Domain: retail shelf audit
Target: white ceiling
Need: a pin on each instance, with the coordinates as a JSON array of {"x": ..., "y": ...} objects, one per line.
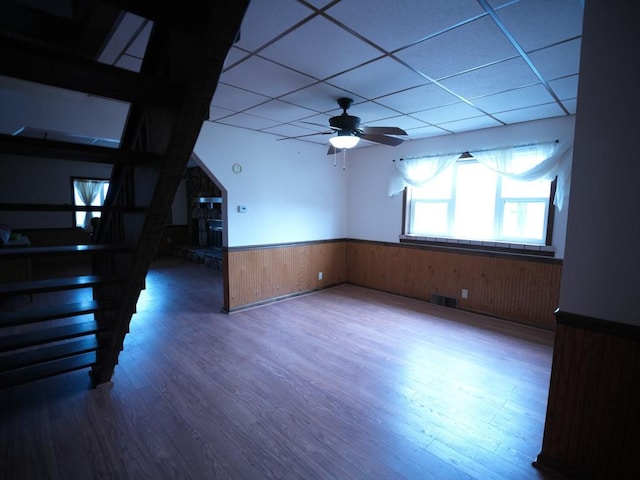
[{"x": 431, "y": 67}]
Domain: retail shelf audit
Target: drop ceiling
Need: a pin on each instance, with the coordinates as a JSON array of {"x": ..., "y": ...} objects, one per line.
[{"x": 429, "y": 67}]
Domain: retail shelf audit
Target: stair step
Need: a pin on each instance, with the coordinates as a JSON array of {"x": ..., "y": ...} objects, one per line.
[
  {"x": 46, "y": 335},
  {"x": 47, "y": 353},
  {"x": 48, "y": 369},
  {"x": 30, "y": 252},
  {"x": 40, "y": 314},
  {"x": 54, "y": 284}
]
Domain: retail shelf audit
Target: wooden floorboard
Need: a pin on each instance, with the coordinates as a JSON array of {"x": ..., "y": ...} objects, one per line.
[{"x": 345, "y": 383}]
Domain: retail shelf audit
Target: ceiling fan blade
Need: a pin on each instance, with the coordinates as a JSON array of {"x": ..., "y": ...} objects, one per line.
[
  {"x": 377, "y": 138},
  {"x": 384, "y": 130},
  {"x": 302, "y": 136}
]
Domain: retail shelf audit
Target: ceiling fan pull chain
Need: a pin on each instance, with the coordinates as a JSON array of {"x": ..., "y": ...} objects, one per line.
[
  {"x": 344, "y": 159},
  {"x": 335, "y": 152}
]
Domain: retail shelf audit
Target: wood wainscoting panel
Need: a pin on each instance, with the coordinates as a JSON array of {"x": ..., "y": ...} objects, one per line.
[
  {"x": 593, "y": 417},
  {"x": 261, "y": 274},
  {"x": 521, "y": 289}
]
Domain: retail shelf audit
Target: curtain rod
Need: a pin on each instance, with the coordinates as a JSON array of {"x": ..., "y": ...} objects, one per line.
[{"x": 471, "y": 156}]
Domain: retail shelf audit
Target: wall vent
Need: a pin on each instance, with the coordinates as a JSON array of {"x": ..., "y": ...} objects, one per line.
[{"x": 442, "y": 300}]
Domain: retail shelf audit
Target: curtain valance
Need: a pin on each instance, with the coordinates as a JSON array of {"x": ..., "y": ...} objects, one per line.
[{"x": 555, "y": 162}]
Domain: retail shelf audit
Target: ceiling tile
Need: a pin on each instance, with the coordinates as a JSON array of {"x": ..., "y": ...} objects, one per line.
[
  {"x": 234, "y": 56},
  {"x": 266, "y": 78},
  {"x": 558, "y": 61},
  {"x": 369, "y": 112},
  {"x": 378, "y": 78},
  {"x": 566, "y": 87},
  {"x": 571, "y": 105},
  {"x": 287, "y": 130},
  {"x": 531, "y": 113},
  {"x": 475, "y": 44},
  {"x": 120, "y": 41},
  {"x": 468, "y": 124},
  {"x": 492, "y": 79},
  {"x": 417, "y": 99},
  {"x": 280, "y": 111},
  {"x": 139, "y": 45},
  {"x": 295, "y": 58},
  {"x": 265, "y": 20},
  {"x": 236, "y": 99},
  {"x": 216, "y": 113},
  {"x": 513, "y": 99},
  {"x": 417, "y": 18},
  {"x": 447, "y": 113},
  {"x": 320, "y": 49},
  {"x": 539, "y": 23},
  {"x": 424, "y": 132},
  {"x": 402, "y": 121},
  {"x": 248, "y": 121},
  {"x": 129, "y": 63},
  {"x": 320, "y": 97}
]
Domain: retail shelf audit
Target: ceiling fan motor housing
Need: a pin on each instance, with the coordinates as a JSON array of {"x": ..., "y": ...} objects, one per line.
[{"x": 346, "y": 123}]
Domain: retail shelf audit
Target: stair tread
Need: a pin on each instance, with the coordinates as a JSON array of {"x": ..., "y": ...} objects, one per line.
[
  {"x": 38, "y": 314},
  {"x": 28, "y": 252},
  {"x": 53, "y": 284},
  {"x": 48, "y": 369},
  {"x": 47, "y": 353},
  {"x": 45, "y": 335}
]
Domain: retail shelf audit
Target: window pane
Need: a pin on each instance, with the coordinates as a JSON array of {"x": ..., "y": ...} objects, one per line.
[
  {"x": 524, "y": 220},
  {"x": 438, "y": 188},
  {"x": 430, "y": 218},
  {"x": 518, "y": 189},
  {"x": 88, "y": 192},
  {"x": 475, "y": 202}
]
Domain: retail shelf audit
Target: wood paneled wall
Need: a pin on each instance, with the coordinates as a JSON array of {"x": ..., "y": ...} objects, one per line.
[
  {"x": 519, "y": 289},
  {"x": 257, "y": 275},
  {"x": 592, "y": 429},
  {"x": 522, "y": 290}
]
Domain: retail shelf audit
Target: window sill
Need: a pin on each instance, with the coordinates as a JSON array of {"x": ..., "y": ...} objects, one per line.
[{"x": 482, "y": 246}]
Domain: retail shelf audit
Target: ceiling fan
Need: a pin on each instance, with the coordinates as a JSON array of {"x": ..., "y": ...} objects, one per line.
[{"x": 349, "y": 132}]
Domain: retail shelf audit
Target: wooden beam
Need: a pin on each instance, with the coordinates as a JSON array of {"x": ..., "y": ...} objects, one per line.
[
  {"x": 39, "y": 64},
  {"x": 37, "y": 147}
]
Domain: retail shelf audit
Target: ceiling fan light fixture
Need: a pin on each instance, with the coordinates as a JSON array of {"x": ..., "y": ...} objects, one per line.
[{"x": 344, "y": 140}]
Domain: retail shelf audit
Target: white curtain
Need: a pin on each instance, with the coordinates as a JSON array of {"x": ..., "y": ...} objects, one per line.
[
  {"x": 417, "y": 171},
  {"x": 556, "y": 161},
  {"x": 88, "y": 190}
]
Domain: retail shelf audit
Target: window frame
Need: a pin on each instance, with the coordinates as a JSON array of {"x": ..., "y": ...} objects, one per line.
[
  {"x": 74, "y": 213},
  {"x": 515, "y": 246}
]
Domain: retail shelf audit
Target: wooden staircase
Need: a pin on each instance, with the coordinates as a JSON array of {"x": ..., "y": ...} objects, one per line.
[{"x": 168, "y": 98}]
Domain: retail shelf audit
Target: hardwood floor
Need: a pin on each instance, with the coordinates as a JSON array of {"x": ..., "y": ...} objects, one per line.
[{"x": 345, "y": 383}]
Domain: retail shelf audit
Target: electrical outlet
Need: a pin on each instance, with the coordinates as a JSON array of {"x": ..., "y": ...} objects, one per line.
[
  {"x": 319, "y": 275},
  {"x": 465, "y": 293}
]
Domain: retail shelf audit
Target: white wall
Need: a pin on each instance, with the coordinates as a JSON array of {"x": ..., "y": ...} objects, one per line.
[
  {"x": 373, "y": 215},
  {"x": 602, "y": 261},
  {"x": 291, "y": 190}
]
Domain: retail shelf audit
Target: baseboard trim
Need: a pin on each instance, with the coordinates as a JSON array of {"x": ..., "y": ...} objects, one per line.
[
  {"x": 618, "y": 329},
  {"x": 548, "y": 466},
  {"x": 269, "y": 301}
]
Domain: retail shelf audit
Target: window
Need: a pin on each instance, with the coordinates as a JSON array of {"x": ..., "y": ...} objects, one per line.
[
  {"x": 88, "y": 192},
  {"x": 504, "y": 195},
  {"x": 469, "y": 201}
]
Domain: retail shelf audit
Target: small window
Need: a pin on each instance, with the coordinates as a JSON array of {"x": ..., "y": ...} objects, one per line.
[
  {"x": 472, "y": 202},
  {"x": 88, "y": 192}
]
